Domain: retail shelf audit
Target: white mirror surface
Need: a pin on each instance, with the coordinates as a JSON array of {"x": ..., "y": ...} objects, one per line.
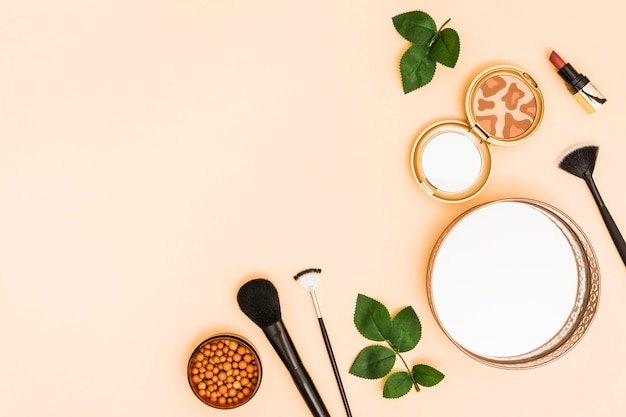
[
  {"x": 451, "y": 162},
  {"x": 504, "y": 280}
]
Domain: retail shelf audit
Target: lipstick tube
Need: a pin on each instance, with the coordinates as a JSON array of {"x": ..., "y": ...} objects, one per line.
[{"x": 579, "y": 85}]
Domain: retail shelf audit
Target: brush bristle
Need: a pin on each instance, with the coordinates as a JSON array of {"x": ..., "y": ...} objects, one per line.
[
  {"x": 308, "y": 278},
  {"x": 258, "y": 299},
  {"x": 580, "y": 161},
  {"x": 307, "y": 271}
]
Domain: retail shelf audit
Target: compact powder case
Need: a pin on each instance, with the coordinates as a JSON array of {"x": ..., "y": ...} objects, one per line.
[
  {"x": 451, "y": 160},
  {"x": 224, "y": 371}
]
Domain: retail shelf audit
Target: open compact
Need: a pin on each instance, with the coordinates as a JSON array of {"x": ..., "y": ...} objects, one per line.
[
  {"x": 451, "y": 159},
  {"x": 514, "y": 283}
]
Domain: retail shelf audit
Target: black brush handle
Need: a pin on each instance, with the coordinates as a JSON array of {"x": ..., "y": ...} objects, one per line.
[
  {"x": 278, "y": 336},
  {"x": 309, "y": 393},
  {"x": 618, "y": 240},
  {"x": 333, "y": 362}
]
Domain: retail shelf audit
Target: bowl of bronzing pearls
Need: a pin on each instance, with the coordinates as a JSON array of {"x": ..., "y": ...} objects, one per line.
[{"x": 224, "y": 371}]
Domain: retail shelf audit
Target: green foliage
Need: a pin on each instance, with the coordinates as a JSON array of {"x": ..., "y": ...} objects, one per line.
[
  {"x": 417, "y": 27},
  {"x": 373, "y": 362},
  {"x": 417, "y": 68},
  {"x": 372, "y": 319},
  {"x": 446, "y": 48},
  {"x": 406, "y": 330},
  {"x": 401, "y": 334},
  {"x": 426, "y": 376},
  {"x": 430, "y": 46},
  {"x": 397, "y": 385}
]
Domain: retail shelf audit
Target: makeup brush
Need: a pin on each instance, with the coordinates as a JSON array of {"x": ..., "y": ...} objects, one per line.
[
  {"x": 258, "y": 299},
  {"x": 308, "y": 279},
  {"x": 580, "y": 162}
]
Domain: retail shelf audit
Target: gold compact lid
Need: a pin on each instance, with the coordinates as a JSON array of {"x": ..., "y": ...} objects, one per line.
[{"x": 506, "y": 104}]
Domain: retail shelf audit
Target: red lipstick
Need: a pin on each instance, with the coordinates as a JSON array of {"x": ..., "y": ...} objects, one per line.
[{"x": 584, "y": 92}]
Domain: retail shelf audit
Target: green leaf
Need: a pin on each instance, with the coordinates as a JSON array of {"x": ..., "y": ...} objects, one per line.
[
  {"x": 417, "y": 27},
  {"x": 446, "y": 48},
  {"x": 406, "y": 330},
  {"x": 397, "y": 385},
  {"x": 426, "y": 375},
  {"x": 417, "y": 68},
  {"x": 373, "y": 362},
  {"x": 372, "y": 319}
]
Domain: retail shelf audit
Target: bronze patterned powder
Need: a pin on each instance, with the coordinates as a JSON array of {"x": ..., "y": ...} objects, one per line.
[{"x": 504, "y": 106}]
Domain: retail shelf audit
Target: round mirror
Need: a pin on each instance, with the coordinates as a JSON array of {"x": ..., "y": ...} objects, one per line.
[
  {"x": 513, "y": 283},
  {"x": 451, "y": 162}
]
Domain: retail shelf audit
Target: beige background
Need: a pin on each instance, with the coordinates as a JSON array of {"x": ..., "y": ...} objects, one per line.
[{"x": 154, "y": 155}]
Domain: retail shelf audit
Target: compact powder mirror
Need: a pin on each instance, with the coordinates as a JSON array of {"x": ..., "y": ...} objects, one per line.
[
  {"x": 513, "y": 283},
  {"x": 463, "y": 162},
  {"x": 451, "y": 159}
]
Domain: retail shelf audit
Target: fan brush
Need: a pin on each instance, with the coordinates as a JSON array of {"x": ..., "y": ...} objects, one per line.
[
  {"x": 581, "y": 162},
  {"x": 308, "y": 279}
]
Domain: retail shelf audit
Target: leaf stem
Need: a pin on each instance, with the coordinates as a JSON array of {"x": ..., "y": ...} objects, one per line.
[
  {"x": 444, "y": 23},
  {"x": 436, "y": 35},
  {"x": 417, "y": 388}
]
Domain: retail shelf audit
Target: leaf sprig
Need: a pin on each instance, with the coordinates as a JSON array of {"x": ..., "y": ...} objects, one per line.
[
  {"x": 401, "y": 333},
  {"x": 430, "y": 45}
]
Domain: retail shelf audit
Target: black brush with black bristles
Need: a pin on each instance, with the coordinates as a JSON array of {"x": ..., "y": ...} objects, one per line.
[
  {"x": 581, "y": 162},
  {"x": 258, "y": 299}
]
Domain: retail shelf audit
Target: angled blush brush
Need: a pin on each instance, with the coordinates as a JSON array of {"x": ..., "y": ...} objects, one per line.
[
  {"x": 308, "y": 279},
  {"x": 581, "y": 162},
  {"x": 258, "y": 299}
]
